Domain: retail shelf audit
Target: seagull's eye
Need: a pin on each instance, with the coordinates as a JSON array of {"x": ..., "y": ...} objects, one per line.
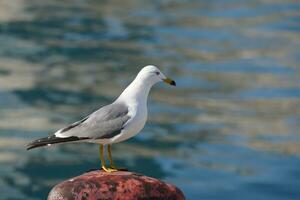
[{"x": 157, "y": 73}]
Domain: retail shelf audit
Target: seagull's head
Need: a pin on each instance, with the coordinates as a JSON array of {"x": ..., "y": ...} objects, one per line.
[{"x": 154, "y": 75}]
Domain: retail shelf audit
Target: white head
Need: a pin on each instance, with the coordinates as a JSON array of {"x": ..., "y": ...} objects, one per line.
[
  {"x": 152, "y": 75},
  {"x": 140, "y": 87}
]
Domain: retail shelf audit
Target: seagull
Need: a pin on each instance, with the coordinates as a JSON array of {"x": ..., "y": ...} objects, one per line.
[{"x": 113, "y": 123}]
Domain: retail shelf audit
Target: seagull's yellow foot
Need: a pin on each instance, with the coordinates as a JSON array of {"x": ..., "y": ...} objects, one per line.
[
  {"x": 109, "y": 170},
  {"x": 112, "y": 164},
  {"x": 118, "y": 168}
]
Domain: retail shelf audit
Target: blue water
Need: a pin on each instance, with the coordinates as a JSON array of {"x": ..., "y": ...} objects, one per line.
[{"x": 229, "y": 130}]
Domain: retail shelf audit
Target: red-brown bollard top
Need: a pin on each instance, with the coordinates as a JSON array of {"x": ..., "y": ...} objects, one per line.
[{"x": 121, "y": 185}]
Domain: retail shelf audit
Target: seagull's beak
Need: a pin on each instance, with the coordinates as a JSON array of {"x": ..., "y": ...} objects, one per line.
[{"x": 169, "y": 81}]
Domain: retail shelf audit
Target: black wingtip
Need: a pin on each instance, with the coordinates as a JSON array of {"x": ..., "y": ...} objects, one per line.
[
  {"x": 28, "y": 147},
  {"x": 52, "y": 140},
  {"x": 35, "y": 144}
]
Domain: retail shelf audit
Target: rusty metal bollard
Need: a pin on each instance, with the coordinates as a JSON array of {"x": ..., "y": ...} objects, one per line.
[{"x": 121, "y": 185}]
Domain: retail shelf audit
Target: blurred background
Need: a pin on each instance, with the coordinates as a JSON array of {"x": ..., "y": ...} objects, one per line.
[{"x": 230, "y": 130}]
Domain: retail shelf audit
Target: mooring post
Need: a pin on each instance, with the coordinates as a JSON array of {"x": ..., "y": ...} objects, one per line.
[{"x": 121, "y": 185}]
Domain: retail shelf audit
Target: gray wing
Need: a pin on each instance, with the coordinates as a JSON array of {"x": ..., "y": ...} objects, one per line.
[{"x": 104, "y": 123}]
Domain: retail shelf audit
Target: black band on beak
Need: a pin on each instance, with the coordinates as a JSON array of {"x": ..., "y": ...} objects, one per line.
[
  {"x": 173, "y": 83},
  {"x": 170, "y": 81}
]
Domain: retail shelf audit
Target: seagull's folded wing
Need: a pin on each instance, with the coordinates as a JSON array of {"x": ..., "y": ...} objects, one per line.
[{"x": 104, "y": 123}]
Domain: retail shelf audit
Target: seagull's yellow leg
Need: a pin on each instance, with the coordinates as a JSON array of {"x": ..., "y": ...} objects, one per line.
[
  {"x": 101, "y": 152},
  {"x": 112, "y": 164}
]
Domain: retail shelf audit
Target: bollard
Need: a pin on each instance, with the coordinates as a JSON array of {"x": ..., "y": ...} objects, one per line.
[{"x": 121, "y": 185}]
